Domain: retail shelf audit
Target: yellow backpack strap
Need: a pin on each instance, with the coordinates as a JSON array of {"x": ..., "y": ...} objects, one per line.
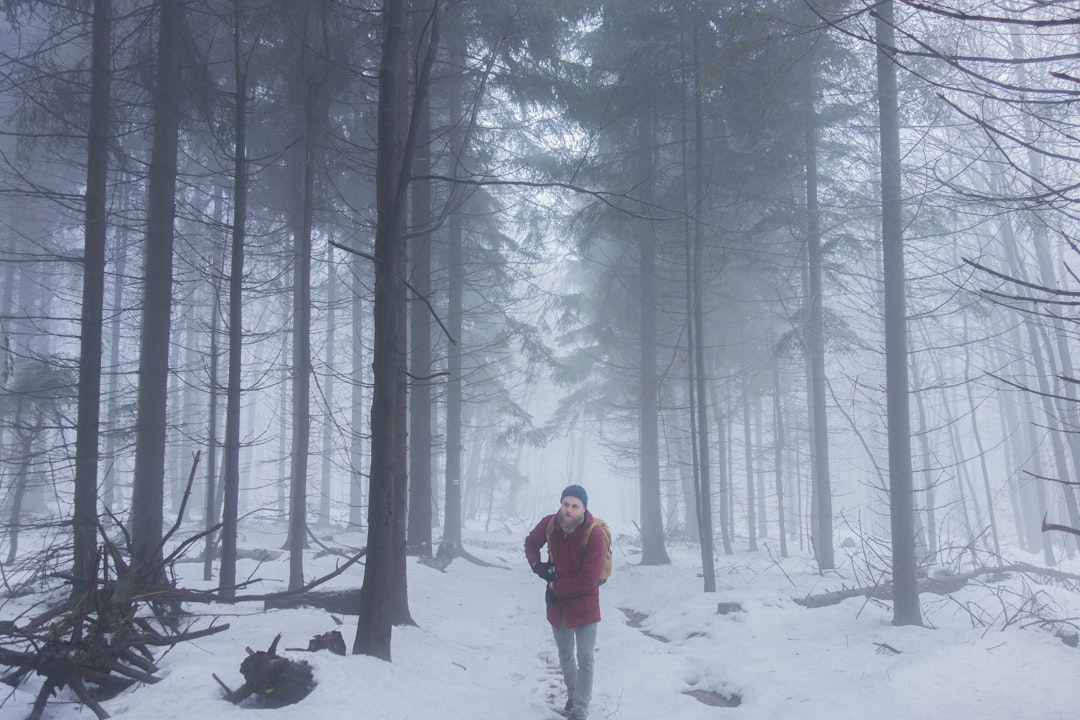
[{"x": 588, "y": 532}]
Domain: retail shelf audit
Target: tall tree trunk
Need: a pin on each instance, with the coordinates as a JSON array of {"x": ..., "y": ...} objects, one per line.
[
  {"x": 400, "y": 612},
  {"x": 906, "y": 609},
  {"x": 928, "y": 484},
  {"x": 976, "y": 434},
  {"x": 109, "y": 480},
  {"x": 748, "y": 453},
  {"x": 375, "y": 622},
  {"x": 24, "y": 436},
  {"x": 149, "y": 483},
  {"x": 452, "y": 512},
  {"x": 815, "y": 340},
  {"x": 704, "y": 495},
  {"x": 419, "y": 538},
  {"x": 230, "y": 509},
  {"x": 210, "y": 514},
  {"x": 778, "y": 452},
  {"x": 653, "y": 551},
  {"x": 723, "y": 475},
  {"x": 301, "y": 344},
  {"x": 87, "y": 428},
  {"x": 327, "y": 462},
  {"x": 1041, "y": 368},
  {"x": 356, "y": 425},
  {"x": 759, "y": 474},
  {"x": 1066, "y": 397}
]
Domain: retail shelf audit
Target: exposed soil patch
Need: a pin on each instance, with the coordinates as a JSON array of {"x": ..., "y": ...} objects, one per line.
[
  {"x": 634, "y": 620},
  {"x": 633, "y": 617},
  {"x": 715, "y": 699}
]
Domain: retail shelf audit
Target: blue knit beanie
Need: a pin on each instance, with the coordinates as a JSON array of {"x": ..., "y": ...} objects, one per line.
[{"x": 578, "y": 492}]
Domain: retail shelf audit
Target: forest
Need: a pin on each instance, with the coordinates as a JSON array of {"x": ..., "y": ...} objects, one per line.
[{"x": 795, "y": 273}]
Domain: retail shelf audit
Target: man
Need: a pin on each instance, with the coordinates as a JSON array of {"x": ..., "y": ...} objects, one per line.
[{"x": 576, "y": 551}]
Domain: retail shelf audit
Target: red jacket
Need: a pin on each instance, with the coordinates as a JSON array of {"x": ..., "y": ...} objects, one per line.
[{"x": 577, "y": 588}]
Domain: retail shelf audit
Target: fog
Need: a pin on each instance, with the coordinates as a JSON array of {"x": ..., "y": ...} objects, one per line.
[{"x": 788, "y": 276}]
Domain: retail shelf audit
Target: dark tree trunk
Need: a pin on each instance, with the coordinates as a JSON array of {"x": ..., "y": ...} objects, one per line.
[
  {"x": 456, "y": 280},
  {"x": 375, "y": 622},
  {"x": 112, "y": 420},
  {"x": 87, "y": 427},
  {"x": 400, "y": 600},
  {"x": 906, "y": 610},
  {"x": 231, "y": 476},
  {"x": 301, "y": 345},
  {"x": 419, "y": 538},
  {"x": 210, "y": 507},
  {"x": 327, "y": 460},
  {"x": 704, "y": 493},
  {"x": 149, "y": 482}
]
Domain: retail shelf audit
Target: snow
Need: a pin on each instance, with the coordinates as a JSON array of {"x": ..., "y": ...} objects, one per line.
[{"x": 482, "y": 648}]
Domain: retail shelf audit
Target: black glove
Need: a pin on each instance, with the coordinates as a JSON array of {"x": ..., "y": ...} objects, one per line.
[
  {"x": 545, "y": 570},
  {"x": 549, "y": 596}
]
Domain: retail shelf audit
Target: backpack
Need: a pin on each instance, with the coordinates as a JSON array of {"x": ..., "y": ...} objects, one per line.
[{"x": 605, "y": 569}]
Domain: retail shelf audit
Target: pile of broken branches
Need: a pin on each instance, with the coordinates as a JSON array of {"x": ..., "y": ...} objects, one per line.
[{"x": 97, "y": 645}]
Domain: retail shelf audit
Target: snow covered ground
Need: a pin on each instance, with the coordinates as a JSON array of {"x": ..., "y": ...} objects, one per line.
[{"x": 483, "y": 650}]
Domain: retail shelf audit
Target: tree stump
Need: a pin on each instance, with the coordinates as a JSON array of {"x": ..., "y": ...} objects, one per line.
[{"x": 273, "y": 680}]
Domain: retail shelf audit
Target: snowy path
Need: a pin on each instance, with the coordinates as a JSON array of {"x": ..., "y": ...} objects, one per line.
[{"x": 482, "y": 650}]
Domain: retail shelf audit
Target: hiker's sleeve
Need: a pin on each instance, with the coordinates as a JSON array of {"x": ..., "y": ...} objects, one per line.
[
  {"x": 588, "y": 578},
  {"x": 535, "y": 540}
]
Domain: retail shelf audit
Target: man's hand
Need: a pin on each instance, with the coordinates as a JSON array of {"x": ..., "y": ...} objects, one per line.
[{"x": 545, "y": 570}]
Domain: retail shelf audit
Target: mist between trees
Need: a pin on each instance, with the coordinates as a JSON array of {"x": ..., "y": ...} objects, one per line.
[{"x": 772, "y": 273}]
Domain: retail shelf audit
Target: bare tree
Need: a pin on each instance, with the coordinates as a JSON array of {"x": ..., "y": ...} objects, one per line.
[
  {"x": 149, "y": 483},
  {"x": 88, "y": 423},
  {"x": 906, "y": 610}
]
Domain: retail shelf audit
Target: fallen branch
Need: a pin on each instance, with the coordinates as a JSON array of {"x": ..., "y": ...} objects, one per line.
[
  {"x": 941, "y": 585},
  {"x": 214, "y": 596},
  {"x": 1062, "y": 528}
]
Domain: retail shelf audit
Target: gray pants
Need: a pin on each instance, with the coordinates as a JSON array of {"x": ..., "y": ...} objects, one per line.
[{"x": 577, "y": 671}]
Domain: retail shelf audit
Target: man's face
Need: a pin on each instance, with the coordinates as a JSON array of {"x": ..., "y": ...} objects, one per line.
[{"x": 571, "y": 510}]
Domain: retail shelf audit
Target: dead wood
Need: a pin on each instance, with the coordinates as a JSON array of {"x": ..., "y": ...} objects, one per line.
[
  {"x": 939, "y": 585},
  {"x": 98, "y": 643},
  {"x": 330, "y": 640},
  {"x": 273, "y": 680},
  {"x": 448, "y": 550},
  {"x": 214, "y": 596},
  {"x": 98, "y": 640},
  {"x": 344, "y": 602},
  {"x": 1061, "y": 528}
]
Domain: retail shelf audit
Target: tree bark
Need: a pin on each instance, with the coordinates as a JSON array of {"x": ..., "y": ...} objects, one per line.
[
  {"x": 356, "y": 434},
  {"x": 704, "y": 494},
  {"x": 419, "y": 539},
  {"x": 375, "y": 622},
  {"x": 748, "y": 452},
  {"x": 149, "y": 482},
  {"x": 329, "y": 373},
  {"x": 231, "y": 461},
  {"x": 906, "y": 610},
  {"x": 456, "y": 279},
  {"x": 653, "y": 551},
  {"x": 87, "y": 429},
  {"x": 815, "y": 340}
]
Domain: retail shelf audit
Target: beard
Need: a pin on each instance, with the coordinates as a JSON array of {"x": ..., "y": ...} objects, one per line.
[{"x": 567, "y": 524}]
